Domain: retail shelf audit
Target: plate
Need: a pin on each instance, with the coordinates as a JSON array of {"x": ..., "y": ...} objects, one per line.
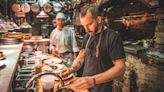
[
  {"x": 53, "y": 61},
  {"x": 56, "y": 68},
  {"x": 57, "y": 60},
  {"x": 44, "y": 57},
  {"x": 59, "y": 66},
  {"x": 46, "y": 68}
]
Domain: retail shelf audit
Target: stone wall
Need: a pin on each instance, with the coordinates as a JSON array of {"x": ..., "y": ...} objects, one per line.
[{"x": 142, "y": 77}]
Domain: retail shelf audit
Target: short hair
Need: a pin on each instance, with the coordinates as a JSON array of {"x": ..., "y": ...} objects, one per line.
[{"x": 90, "y": 8}]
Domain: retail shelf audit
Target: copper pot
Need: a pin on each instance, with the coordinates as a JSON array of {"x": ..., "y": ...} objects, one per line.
[
  {"x": 57, "y": 6},
  {"x": 35, "y": 8},
  {"x": 16, "y": 7},
  {"x": 42, "y": 2},
  {"x": 25, "y": 7},
  {"x": 20, "y": 14},
  {"x": 47, "y": 7}
]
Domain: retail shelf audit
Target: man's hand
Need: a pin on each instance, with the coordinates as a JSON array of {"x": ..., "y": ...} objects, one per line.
[
  {"x": 54, "y": 52},
  {"x": 76, "y": 64},
  {"x": 84, "y": 83},
  {"x": 67, "y": 72}
]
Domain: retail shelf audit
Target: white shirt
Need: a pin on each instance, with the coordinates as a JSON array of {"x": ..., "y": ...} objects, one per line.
[{"x": 64, "y": 40}]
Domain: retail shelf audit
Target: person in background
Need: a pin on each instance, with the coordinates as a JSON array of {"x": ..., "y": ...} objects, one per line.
[
  {"x": 102, "y": 54},
  {"x": 62, "y": 40}
]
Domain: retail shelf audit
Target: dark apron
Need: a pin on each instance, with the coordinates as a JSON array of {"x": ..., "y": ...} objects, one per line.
[{"x": 93, "y": 65}]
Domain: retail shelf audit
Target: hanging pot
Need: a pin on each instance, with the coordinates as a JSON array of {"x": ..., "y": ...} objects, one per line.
[
  {"x": 57, "y": 6},
  {"x": 68, "y": 5},
  {"x": 47, "y": 7},
  {"x": 16, "y": 7},
  {"x": 25, "y": 7},
  {"x": 42, "y": 2},
  {"x": 35, "y": 8}
]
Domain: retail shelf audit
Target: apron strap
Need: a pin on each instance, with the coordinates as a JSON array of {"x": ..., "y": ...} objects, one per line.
[{"x": 98, "y": 45}]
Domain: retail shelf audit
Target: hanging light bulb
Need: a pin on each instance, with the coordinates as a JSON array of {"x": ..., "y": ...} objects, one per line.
[
  {"x": 42, "y": 14},
  {"x": 25, "y": 24},
  {"x": 14, "y": 25},
  {"x": 9, "y": 24}
]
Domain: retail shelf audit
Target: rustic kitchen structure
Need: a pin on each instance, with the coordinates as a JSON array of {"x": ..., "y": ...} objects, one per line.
[{"x": 25, "y": 27}]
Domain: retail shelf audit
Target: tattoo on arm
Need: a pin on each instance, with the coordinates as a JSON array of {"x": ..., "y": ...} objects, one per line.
[{"x": 80, "y": 63}]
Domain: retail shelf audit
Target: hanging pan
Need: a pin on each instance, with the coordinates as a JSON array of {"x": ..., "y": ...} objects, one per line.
[
  {"x": 47, "y": 7},
  {"x": 42, "y": 2},
  {"x": 57, "y": 6},
  {"x": 35, "y": 8},
  {"x": 25, "y": 7},
  {"x": 16, "y": 7}
]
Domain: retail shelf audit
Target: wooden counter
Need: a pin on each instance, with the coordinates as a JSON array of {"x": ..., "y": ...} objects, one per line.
[
  {"x": 11, "y": 53},
  {"x": 37, "y": 41}
]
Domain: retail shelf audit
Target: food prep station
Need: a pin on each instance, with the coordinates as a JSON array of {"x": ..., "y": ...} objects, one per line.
[{"x": 26, "y": 63}]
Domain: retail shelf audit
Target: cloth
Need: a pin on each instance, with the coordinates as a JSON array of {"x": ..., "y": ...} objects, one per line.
[
  {"x": 64, "y": 41},
  {"x": 110, "y": 49}
]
